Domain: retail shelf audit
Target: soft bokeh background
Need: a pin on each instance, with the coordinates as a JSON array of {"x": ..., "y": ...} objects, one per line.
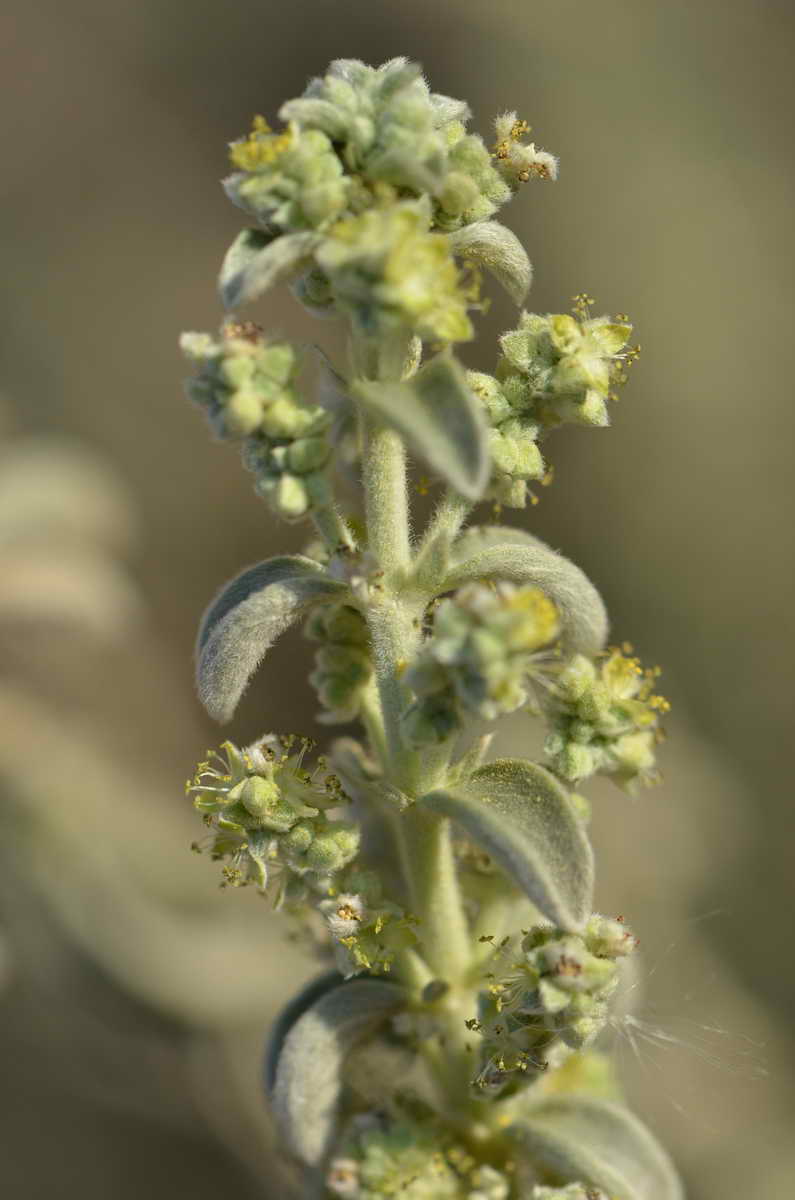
[{"x": 133, "y": 996}]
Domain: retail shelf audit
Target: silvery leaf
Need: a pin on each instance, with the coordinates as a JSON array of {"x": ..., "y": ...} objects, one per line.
[
  {"x": 494, "y": 552},
  {"x": 600, "y": 1143},
  {"x": 440, "y": 418},
  {"x": 244, "y": 620},
  {"x": 499, "y": 250},
  {"x": 256, "y": 261},
  {"x": 522, "y": 817},
  {"x": 307, "y": 1079}
]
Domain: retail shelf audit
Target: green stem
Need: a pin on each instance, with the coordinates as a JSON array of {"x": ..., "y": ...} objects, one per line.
[
  {"x": 386, "y": 497},
  {"x": 335, "y": 533},
  {"x": 373, "y": 721},
  {"x": 395, "y": 621},
  {"x": 429, "y": 864}
]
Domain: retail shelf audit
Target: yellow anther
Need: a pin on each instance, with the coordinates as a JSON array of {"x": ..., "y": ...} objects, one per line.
[{"x": 260, "y": 148}]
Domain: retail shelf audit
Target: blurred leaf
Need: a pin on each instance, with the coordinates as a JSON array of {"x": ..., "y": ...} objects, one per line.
[
  {"x": 53, "y": 489},
  {"x": 499, "y": 250},
  {"x": 245, "y": 619},
  {"x": 522, "y": 817},
  {"x": 494, "y": 552},
  {"x": 308, "y": 1078},
  {"x": 256, "y": 261},
  {"x": 600, "y": 1143},
  {"x": 438, "y": 415},
  {"x": 73, "y": 588},
  {"x": 288, "y": 1017}
]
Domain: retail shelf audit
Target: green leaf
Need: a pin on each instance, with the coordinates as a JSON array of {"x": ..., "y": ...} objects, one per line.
[
  {"x": 440, "y": 417},
  {"x": 522, "y": 817},
  {"x": 315, "y": 113},
  {"x": 244, "y": 620},
  {"x": 599, "y": 1143},
  {"x": 308, "y": 1075},
  {"x": 291, "y": 1012},
  {"x": 499, "y": 250},
  {"x": 256, "y": 261},
  {"x": 495, "y": 552}
]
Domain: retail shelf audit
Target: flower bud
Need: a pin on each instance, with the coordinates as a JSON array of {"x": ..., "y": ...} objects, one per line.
[
  {"x": 267, "y": 811},
  {"x": 263, "y": 800},
  {"x": 604, "y": 717},
  {"x": 388, "y": 272},
  {"x": 513, "y": 440},
  {"x": 562, "y": 367},
  {"x": 292, "y": 180},
  {"x": 330, "y": 850},
  {"x": 343, "y": 665},
  {"x": 481, "y": 654},
  {"x": 555, "y": 995}
]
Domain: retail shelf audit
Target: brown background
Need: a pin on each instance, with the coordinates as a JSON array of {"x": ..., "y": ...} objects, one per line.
[{"x": 673, "y": 125}]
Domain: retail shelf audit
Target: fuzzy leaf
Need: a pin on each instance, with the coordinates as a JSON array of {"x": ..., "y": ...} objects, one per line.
[
  {"x": 494, "y": 552},
  {"x": 522, "y": 817},
  {"x": 499, "y": 250},
  {"x": 308, "y": 1072},
  {"x": 440, "y": 417},
  {"x": 291, "y": 1013},
  {"x": 255, "y": 261},
  {"x": 601, "y": 1144},
  {"x": 312, "y": 112},
  {"x": 244, "y": 620}
]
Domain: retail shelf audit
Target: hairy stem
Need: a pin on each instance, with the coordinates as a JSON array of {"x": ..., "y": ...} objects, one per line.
[
  {"x": 430, "y": 867},
  {"x": 386, "y": 497}
]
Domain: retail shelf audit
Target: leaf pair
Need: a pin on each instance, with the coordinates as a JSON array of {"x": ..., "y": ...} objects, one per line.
[
  {"x": 436, "y": 411},
  {"x": 257, "y": 260},
  {"x": 440, "y": 418}
]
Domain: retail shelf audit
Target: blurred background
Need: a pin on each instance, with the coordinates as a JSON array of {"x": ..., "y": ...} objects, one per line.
[{"x": 134, "y": 997}]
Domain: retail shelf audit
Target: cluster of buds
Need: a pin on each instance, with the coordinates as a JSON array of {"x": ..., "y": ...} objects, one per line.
[
  {"x": 264, "y": 809},
  {"x": 358, "y": 129},
  {"x": 370, "y": 165},
  {"x": 564, "y": 368},
  {"x": 388, "y": 272},
  {"x": 246, "y": 385},
  {"x": 411, "y": 1158},
  {"x": 517, "y": 159},
  {"x": 366, "y": 929},
  {"x": 343, "y": 666},
  {"x": 605, "y": 718},
  {"x": 554, "y": 996},
  {"x": 513, "y": 440},
  {"x": 288, "y": 181},
  {"x": 479, "y": 659}
]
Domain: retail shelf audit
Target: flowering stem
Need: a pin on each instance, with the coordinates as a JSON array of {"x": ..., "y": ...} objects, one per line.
[{"x": 395, "y": 625}]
